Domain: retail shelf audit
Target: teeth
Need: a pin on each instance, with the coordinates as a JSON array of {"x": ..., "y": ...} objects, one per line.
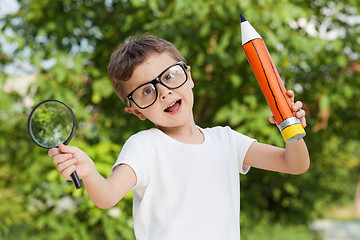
[{"x": 172, "y": 104}]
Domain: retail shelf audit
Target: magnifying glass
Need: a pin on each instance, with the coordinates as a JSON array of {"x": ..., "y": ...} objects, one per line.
[{"x": 52, "y": 122}]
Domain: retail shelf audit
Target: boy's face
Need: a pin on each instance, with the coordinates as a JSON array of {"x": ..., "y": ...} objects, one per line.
[{"x": 173, "y": 107}]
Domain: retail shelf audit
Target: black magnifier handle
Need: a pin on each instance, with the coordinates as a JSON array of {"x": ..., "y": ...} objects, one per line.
[
  {"x": 76, "y": 180},
  {"x": 74, "y": 175}
]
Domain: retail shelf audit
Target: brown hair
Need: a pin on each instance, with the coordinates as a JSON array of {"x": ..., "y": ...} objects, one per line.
[{"x": 132, "y": 53}]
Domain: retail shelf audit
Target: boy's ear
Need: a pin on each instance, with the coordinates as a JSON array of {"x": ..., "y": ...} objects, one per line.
[
  {"x": 136, "y": 112},
  {"x": 189, "y": 76}
]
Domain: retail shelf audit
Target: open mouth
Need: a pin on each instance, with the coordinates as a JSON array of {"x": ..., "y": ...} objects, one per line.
[{"x": 173, "y": 107}]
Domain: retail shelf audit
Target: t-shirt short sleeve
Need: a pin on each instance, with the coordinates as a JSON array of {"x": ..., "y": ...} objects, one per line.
[
  {"x": 132, "y": 154},
  {"x": 242, "y": 144}
]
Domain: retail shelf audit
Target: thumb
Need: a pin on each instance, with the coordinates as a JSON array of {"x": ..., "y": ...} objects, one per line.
[
  {"x": 67, "y": 149},
  {"x": 272, "y": 120}
]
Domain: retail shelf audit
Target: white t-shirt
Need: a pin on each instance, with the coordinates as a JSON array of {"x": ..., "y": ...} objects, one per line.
[{"x": 186, "y": 191}]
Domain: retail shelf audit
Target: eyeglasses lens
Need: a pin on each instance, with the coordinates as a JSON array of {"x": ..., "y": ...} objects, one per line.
[{"x": 145, "y": 95}]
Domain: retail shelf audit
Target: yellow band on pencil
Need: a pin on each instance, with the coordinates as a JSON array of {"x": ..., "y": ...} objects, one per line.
[{"x": 293, "y": 133}]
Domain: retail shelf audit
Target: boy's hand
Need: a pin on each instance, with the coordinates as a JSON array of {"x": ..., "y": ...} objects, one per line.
[
  {"x": 70, "y": 158},
  {"x": 296, "y": 107}
]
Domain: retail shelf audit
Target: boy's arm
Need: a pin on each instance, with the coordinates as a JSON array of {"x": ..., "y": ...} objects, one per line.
[
  {"x": 293, "y": 159},
  {"x": 105, "y": 193}
]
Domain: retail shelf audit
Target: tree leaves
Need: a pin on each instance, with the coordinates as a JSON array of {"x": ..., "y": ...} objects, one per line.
[{"x": 69, "y": 43}]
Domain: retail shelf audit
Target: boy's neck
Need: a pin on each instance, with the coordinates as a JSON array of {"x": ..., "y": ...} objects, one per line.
[{"x": 186, "y": 134}]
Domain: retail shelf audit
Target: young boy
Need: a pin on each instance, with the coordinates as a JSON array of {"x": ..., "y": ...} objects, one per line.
[{"x": 185, "y": 178}]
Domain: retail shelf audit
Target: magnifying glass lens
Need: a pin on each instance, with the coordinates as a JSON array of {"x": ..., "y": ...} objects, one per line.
[{"x": 51, "y": 123}]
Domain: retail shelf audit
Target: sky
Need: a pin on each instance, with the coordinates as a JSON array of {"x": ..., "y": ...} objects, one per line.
[{"x": 8, "y": 6}]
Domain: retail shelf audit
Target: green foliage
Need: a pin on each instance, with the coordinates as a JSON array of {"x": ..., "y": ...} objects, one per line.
[{"x": 69, "y": 43}]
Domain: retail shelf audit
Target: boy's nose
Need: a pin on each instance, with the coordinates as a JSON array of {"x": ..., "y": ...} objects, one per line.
[{"x": 163, "y": 91}]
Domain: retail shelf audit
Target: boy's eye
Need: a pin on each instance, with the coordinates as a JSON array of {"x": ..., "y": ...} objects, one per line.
[
  {"x": 168, "y": 76},
  {"x": 148, "y": 90}
]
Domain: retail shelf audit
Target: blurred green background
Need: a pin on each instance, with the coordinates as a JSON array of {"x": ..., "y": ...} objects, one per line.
[{"x": 60, "y": 50}]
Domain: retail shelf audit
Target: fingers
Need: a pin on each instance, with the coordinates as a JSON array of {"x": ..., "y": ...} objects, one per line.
[
  {"x": 297, "y": 106},
  {"x": 60, "y": 158},
  {"x": 68, "y": 149},
  {"x": 63, "y": 157},
  {"x": 53, "y": 151},
  {"x": 66, "y": 168},
  {"x": 272, "y": 120},
  {"x": 291, "y": 95},
  {"x": 65, "y": 164},
  {"x": 299, "y": 112},
  {"x": 63, "y": 149},
  {"x": 303, "y": 120}
]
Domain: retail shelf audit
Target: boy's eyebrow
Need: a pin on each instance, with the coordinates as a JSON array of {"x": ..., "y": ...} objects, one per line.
[{"x": 143, "y": 82}]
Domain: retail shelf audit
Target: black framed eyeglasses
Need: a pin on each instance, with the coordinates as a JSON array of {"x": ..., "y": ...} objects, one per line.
[{"x": 146, "y": 94}]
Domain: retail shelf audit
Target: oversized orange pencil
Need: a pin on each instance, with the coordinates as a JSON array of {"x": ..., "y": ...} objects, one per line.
[{"x": 270, "y": 82}]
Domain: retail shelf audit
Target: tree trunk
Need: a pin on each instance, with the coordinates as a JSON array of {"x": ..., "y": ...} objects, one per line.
[{"x": 357, "y": 200}]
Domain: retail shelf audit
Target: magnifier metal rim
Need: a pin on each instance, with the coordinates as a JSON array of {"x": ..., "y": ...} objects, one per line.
[{"x": 36, "y": 107}]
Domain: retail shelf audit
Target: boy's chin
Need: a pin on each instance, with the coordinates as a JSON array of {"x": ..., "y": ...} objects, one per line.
[{"x": 172, "y": 125}]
